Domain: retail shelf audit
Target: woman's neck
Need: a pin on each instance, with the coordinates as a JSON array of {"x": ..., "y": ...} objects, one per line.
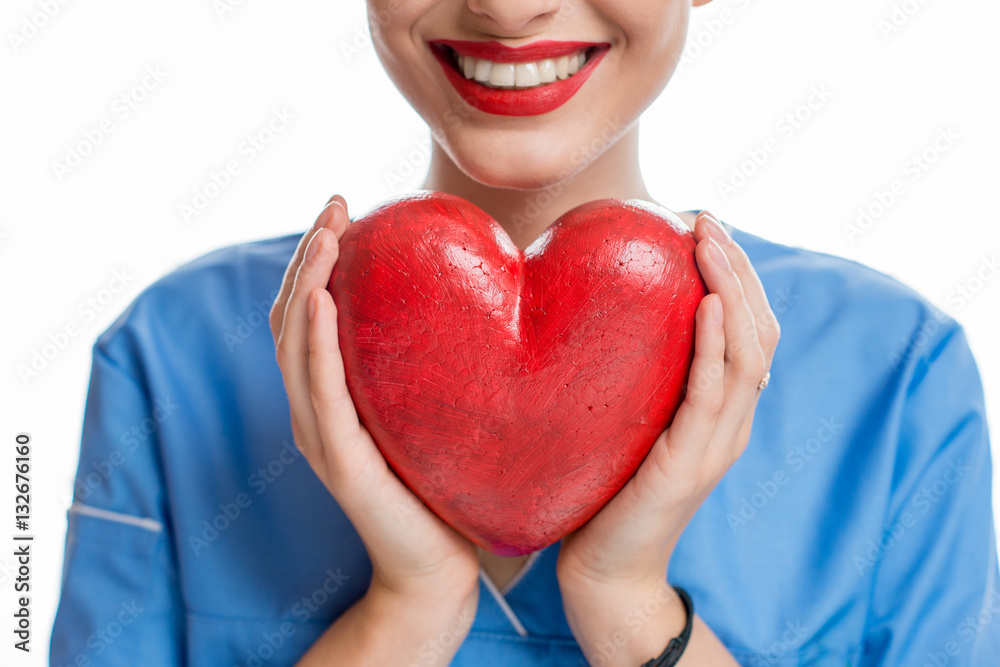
[{"x": 527, "y": 213}]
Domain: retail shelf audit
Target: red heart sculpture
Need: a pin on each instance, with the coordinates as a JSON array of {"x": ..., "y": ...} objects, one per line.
[{"x": 516, "y": 392}]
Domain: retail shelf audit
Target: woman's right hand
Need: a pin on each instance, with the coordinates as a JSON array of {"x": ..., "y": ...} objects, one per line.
[{"x": 414, "y": 554}]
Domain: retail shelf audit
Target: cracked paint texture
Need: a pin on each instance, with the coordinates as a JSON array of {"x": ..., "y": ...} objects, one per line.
[{"x": 516, "y": 392}]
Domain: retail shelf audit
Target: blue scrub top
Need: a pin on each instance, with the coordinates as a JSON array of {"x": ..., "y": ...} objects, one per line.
[{"x": 856, "y": 529}]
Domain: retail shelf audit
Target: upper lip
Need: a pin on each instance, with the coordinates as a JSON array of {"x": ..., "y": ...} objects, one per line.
[{"x": 500, "y": 53}]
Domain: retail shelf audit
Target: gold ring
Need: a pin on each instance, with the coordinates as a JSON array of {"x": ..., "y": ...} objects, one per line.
[{"x": 764, "y": 380}]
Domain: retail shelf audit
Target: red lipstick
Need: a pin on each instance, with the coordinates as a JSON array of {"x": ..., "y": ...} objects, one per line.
[{"x": 516, "y": 102}]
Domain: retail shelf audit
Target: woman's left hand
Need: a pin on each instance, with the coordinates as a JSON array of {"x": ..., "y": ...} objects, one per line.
[{"x": 612, "y": 571}]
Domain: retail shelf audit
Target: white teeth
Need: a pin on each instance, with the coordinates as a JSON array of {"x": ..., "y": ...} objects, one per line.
[
  {"x": 574, "y": 64},
  {"x": 526, "y": 75},
  {"x": 562, "y": 67},
  {"x": 547, "y": 71},
  {"x": 520, "y": 75},
  {"x": 483, "y": 69},
  {"x": 502, "y": 74}
]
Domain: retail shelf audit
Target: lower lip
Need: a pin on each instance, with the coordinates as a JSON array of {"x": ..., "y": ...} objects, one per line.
[{"x": 513, "y": 102}]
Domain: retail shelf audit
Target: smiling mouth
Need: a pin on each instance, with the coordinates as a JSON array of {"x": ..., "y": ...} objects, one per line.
[
  {"x": 526, "y": 81},
  {"x": 519, "y": 75}
]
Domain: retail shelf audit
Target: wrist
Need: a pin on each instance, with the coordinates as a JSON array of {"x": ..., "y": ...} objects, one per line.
[
  {"x": 446, "y": 587},
  {"x": 624, "y": 623},
  {"x": 431, "y": 626}
]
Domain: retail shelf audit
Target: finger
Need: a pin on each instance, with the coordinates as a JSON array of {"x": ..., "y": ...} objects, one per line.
[
  {"x": 768, "y": 329},
  {"x": 278, "y": 308},
  {"x": 336, "y": 417},
  {"x": 339, "y": 220},
  {"x": 744, "y": 352},
  {"x": 670, "y": 469},
  {"x": 292, "y": 346},
  {"x": 694, "y": 422},
  {"x": 745, "y": 359},
  {"x": 386, "y": 514},
  {"x": 682, "y": 446}
]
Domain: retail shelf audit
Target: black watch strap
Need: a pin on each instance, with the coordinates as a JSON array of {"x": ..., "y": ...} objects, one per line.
[{"x": 676, "y": 647}]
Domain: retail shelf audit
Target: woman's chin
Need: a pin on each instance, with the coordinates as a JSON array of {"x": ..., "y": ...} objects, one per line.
[{"x": 512, "y": 173}]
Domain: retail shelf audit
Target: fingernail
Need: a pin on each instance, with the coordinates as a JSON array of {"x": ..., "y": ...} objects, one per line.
[
  {"x": 715, "y": 228},
  {"x": 717, "y": 312},
  {"x": 311, "y": 306},
  {"x": 314, "y": 245},
  {"x": 718, "y": 255},
  {"x": 342, "y": 208},
  {"x": 322, "y": 215}
]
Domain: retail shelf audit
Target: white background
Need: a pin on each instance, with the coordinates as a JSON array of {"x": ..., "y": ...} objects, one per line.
[{"x": 63, "y": 237}]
